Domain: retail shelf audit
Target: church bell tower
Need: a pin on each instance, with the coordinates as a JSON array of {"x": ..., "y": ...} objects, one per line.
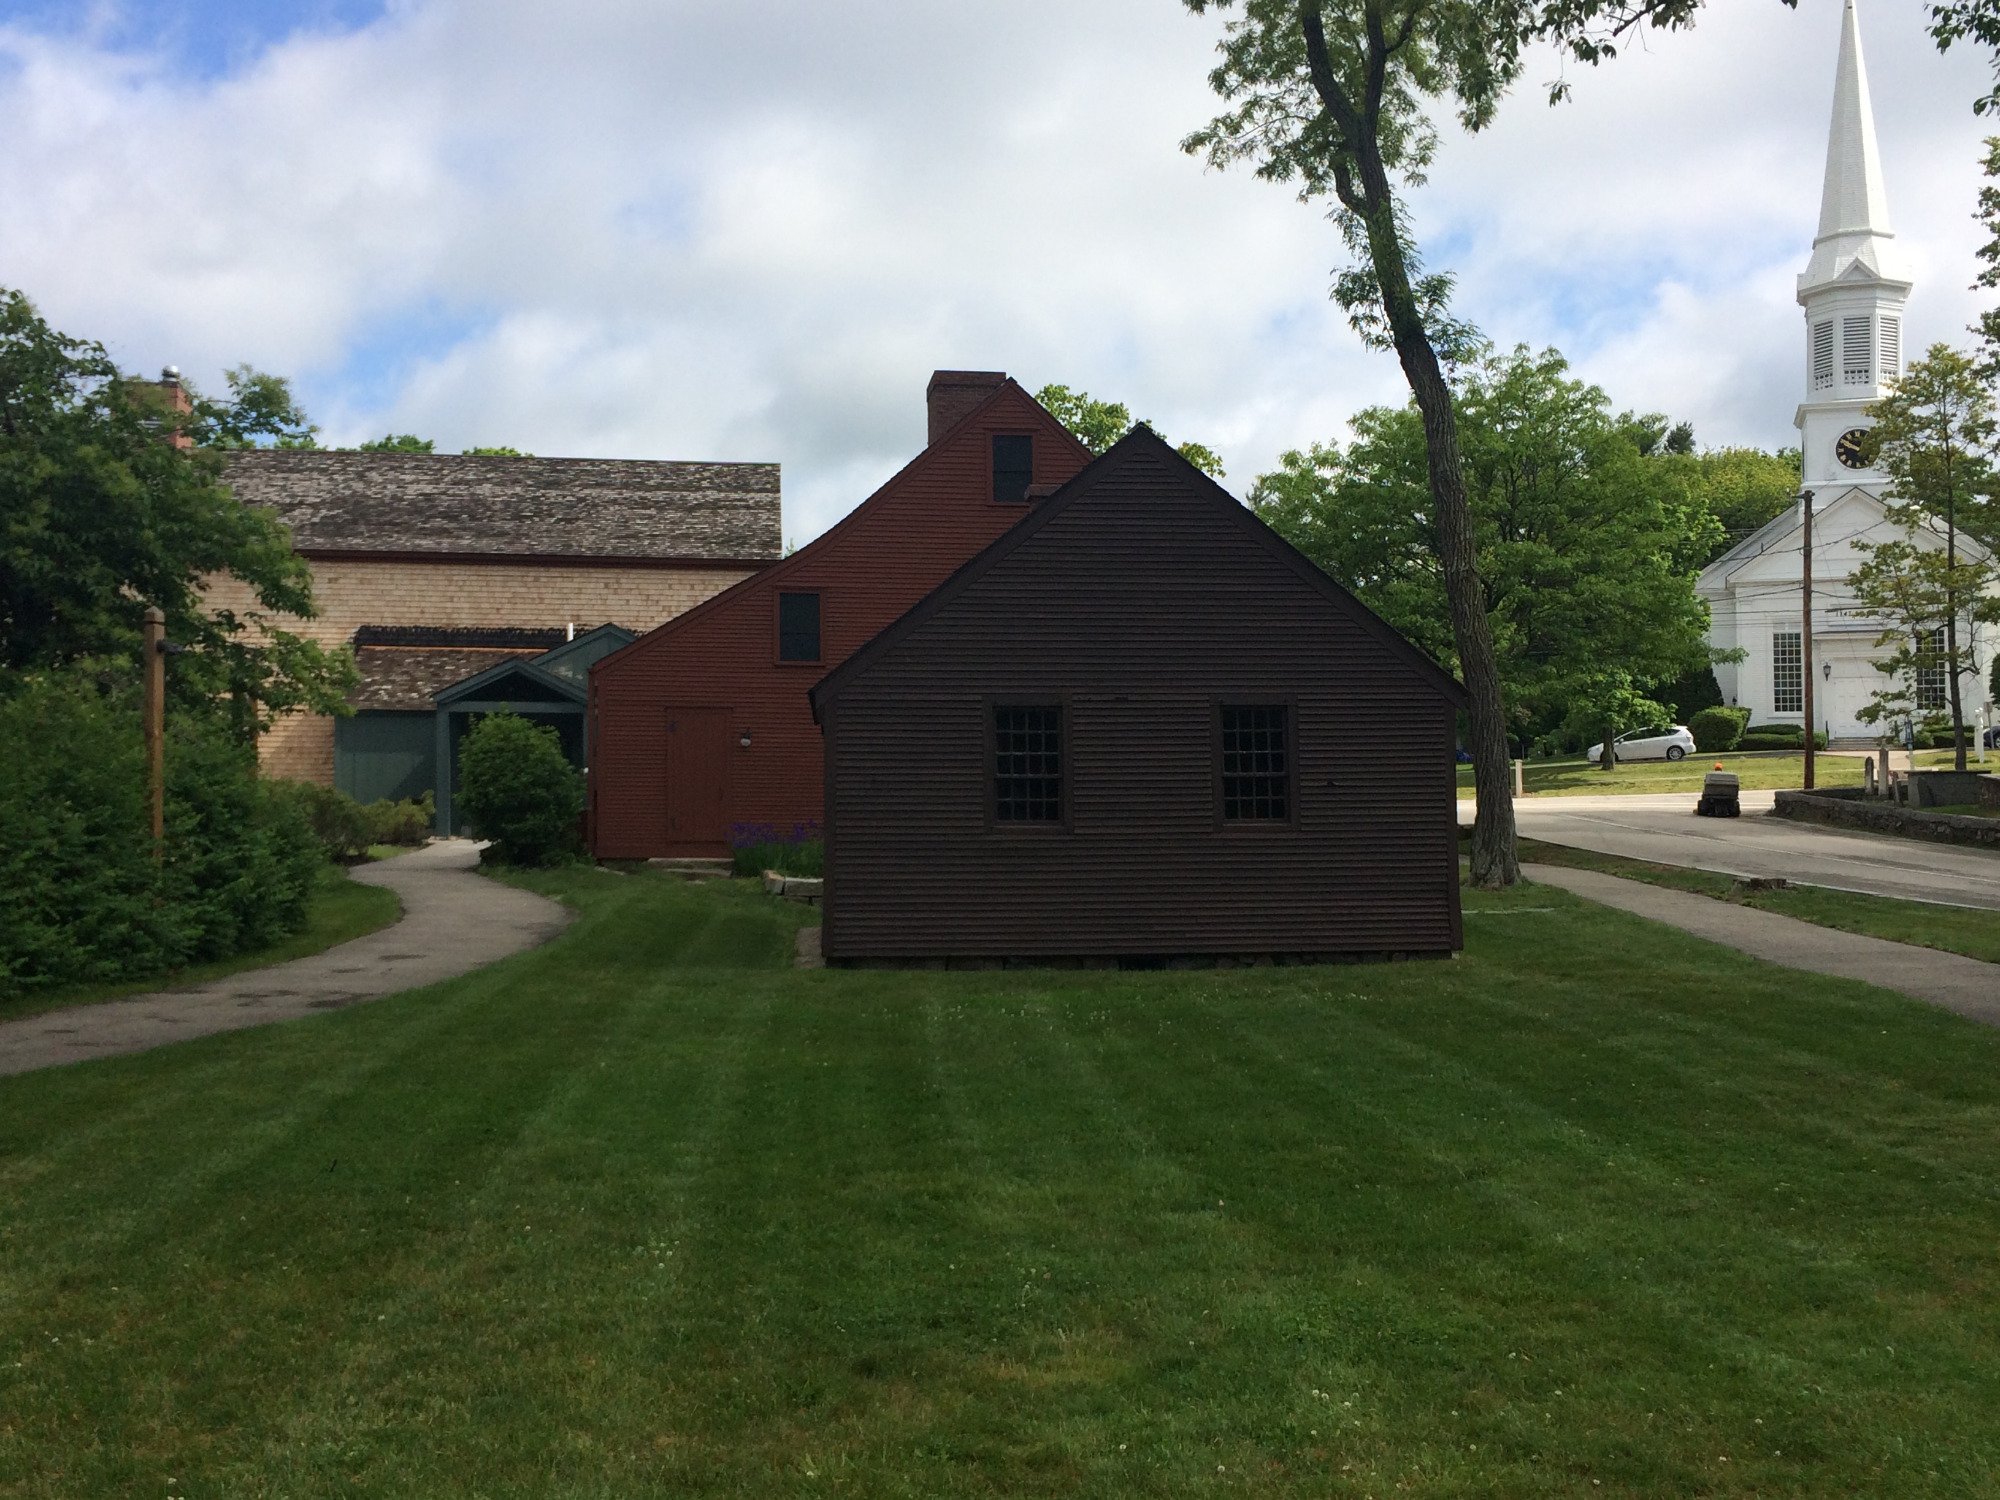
[{"x": 1853, "y": 291}]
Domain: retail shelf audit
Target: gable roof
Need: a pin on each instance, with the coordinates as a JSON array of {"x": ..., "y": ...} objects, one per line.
[
  {"x": 811, "y": 551},
  {"x": 473, "y": 506},
  {"x": 527, "y": 669},
  {"x": 1140, "y": 440},
  {"x": 1777, "y": 532}
]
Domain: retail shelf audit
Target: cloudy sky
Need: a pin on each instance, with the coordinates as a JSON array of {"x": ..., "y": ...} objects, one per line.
[{"x": 749, "y": 229}]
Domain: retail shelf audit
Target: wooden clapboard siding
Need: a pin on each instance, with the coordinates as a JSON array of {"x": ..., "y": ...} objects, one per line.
[
  {"x": 1142, "y": 599},
  {"x": 870, "y": 568}
]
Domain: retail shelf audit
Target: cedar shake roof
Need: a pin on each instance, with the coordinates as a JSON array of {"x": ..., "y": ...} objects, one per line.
[
  {"x": 409, "y": 677},
  {"x": 461, "y": 505},
  {"x": 505, "y": 637}
]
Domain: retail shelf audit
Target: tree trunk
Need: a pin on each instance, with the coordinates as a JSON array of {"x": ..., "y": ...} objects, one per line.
[
  {"x": 1495, "y": 861},
  {"x": 1607, "y": 755}
]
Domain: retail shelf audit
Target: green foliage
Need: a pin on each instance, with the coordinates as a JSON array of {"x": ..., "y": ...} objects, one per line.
[
  {"x": 397, "y": 442},
  {"x": 1934, "y": 432},
  {"x": 1588, "y": 549},
  {"x": 1743, "y": 488},
  {"x": 497, "y": 453},
  {"x": 1719, "y": 729},
  {"x": 518, "y": 789},
  {"x": 346, "y": 828},
  {"x": 261, "y": 412},
  {"x": 1098, "y": 424},
  {"x": 806, "y": 857},
  {"x": 86, "y": 902},
  {"x": 101, "y": 516},
  {"x": 1778, "y": 737}
]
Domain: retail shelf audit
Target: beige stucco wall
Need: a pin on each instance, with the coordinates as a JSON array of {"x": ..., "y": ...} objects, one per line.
[{"x": 353, "y": 593}]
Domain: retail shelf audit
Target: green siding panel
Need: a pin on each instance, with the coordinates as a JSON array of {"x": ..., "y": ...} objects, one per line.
[{"x": 381, "y": 754}]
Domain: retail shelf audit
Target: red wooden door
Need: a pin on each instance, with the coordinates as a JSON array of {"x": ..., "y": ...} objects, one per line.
[{"x": 698, "y": 744}]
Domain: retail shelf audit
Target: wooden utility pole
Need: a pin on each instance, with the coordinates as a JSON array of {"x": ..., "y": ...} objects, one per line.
[
  {"x": 156, "y": 723},
  {"x": 1805, "y": 639}
]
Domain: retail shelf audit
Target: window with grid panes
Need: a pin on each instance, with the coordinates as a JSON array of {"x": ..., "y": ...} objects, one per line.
[
  {"x": 1788, "y": 678},
  {"x": 1256, "y": 764},
  {"x": 1933, "y": 673},
  {"x": 1027, "y": 764}
]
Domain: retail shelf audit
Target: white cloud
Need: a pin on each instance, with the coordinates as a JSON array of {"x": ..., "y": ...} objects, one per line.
[{"x": 687, "y": 230}]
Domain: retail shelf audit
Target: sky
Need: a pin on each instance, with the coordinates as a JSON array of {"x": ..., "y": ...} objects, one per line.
[{"x": 750, "y": 229}]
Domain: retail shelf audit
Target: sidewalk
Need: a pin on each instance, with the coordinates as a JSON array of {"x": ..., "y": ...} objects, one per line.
[
  {"x": 453, "y": 921},
  {"x": 1960, "y": 984}
]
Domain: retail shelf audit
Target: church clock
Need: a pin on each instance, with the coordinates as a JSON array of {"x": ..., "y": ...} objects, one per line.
[{"x": 1852, "y": 448}]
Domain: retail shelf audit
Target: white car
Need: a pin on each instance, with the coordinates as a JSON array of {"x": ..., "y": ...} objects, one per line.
[{"x": 1649, "y": 744}]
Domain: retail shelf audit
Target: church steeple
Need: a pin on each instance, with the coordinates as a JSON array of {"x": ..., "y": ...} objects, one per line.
[
  {"x": 1854, "y": 287},
  {"x": 1854, "y": 210}
]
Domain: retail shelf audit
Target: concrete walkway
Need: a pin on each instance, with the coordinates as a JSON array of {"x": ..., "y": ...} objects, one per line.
[
  {"x": 1664, "y": 830},
  {"x": 1960, "y": 984},
  {"x": 453, "y": 921}
]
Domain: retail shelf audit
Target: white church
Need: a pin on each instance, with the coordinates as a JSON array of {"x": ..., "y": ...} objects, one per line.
[{"x": 1853, "y": 292}]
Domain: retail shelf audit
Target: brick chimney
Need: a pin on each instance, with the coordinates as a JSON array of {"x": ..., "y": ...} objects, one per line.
[
  {"x": 166, "y": 396},
  {"x": 952, "y": 394}
]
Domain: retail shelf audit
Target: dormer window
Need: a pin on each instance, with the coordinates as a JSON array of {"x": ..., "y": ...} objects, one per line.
[{"x": 1013, "y": 466}]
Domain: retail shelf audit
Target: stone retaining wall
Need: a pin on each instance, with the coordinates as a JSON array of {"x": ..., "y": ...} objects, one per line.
[{"x": 1849, "y": 807}]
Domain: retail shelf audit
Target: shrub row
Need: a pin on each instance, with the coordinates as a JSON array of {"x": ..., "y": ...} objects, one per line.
[
  {"x": 1779, "y": 737},
  {"x": 345, "y": 828},
  {"x": 759, "y": 847},
  {"x": 85, "y": 900}
]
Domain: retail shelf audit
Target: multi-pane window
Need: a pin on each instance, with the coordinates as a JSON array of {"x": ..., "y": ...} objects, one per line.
[
  {"x": 1788, "y": 676},
  {"x": 1933, "y": 673},
  {"x": 1027, "y": 763},
  {"x": 798, "y": 627},
  {"x": 1822, "y": 356},
  {"x": 1013, "y": 465},
  {"x": 1857, "y": 350},
  {"x": 1256, "y": 763}
]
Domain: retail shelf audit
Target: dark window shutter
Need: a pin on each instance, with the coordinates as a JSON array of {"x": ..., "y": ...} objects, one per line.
[{"x": 798, "y": 627}]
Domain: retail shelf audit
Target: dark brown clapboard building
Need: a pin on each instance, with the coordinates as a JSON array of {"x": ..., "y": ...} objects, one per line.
[{"x": 1139, "y": 726}]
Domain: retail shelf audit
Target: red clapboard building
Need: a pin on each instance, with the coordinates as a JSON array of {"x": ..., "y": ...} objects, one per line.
[{"x": 701, "y": 730}]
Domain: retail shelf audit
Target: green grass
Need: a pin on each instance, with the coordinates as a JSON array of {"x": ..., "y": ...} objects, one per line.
[
  {"x": 341, "y": 909},
  {"x": 1954, "y": 929},
  {"x": 1593, "y": 1210},
  {"x": 1769, "y": 771}
]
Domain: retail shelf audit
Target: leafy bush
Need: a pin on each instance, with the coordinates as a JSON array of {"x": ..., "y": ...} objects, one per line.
[
  {"x": 759, "y": 847},
  {"x": 339, "y": 822},
  {"x": 1778, "y": 737},
  {"x": 345, "y": 828},
  {"x": 86, "y": 902},
  {"x": 518, "y": 790},
  {"x": 405, "y": 824},
  {"x": 1718, "y": 729}
]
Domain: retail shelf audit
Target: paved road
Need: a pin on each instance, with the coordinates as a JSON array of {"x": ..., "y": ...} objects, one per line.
[
  {"x": 1960, "y": 984},
  {"x": 1664, "y": 829},
  {"x": 453, "y": 921}
]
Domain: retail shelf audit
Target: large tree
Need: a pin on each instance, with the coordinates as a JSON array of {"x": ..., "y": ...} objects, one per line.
[
  {"x": 1934, "y": 433},
  {"x": 1337, "y": 97},
  {"x": 103, "y": 512},
  {"x": 1098, "y": 424},
  {"x": 1589, "y": 538}
]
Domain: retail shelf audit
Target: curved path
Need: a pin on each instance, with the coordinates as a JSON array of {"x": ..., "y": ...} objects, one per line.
[{"x": 453, "y": 921}]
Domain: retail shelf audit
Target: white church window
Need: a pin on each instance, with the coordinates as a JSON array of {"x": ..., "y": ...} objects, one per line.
[
  {"x": 1788, "y": 678},
  {"x": 1857, "y": 350},
  {"x": 1892, "y": 347},
  {"x": 1933, "y": 675},
  {"x": 1822, "y": 356}
]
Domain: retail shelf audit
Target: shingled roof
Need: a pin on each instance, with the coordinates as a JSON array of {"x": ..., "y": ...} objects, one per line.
[{"x": 460, "y": 505}]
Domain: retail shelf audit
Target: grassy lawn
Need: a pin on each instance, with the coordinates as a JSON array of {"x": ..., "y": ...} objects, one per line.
[
  {"x": 1593, "y": 1210},
  {"x": 341, "y": 909},
  {"x": 1955, "y": 929},
  {"x": 1760, "y": 771}
]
